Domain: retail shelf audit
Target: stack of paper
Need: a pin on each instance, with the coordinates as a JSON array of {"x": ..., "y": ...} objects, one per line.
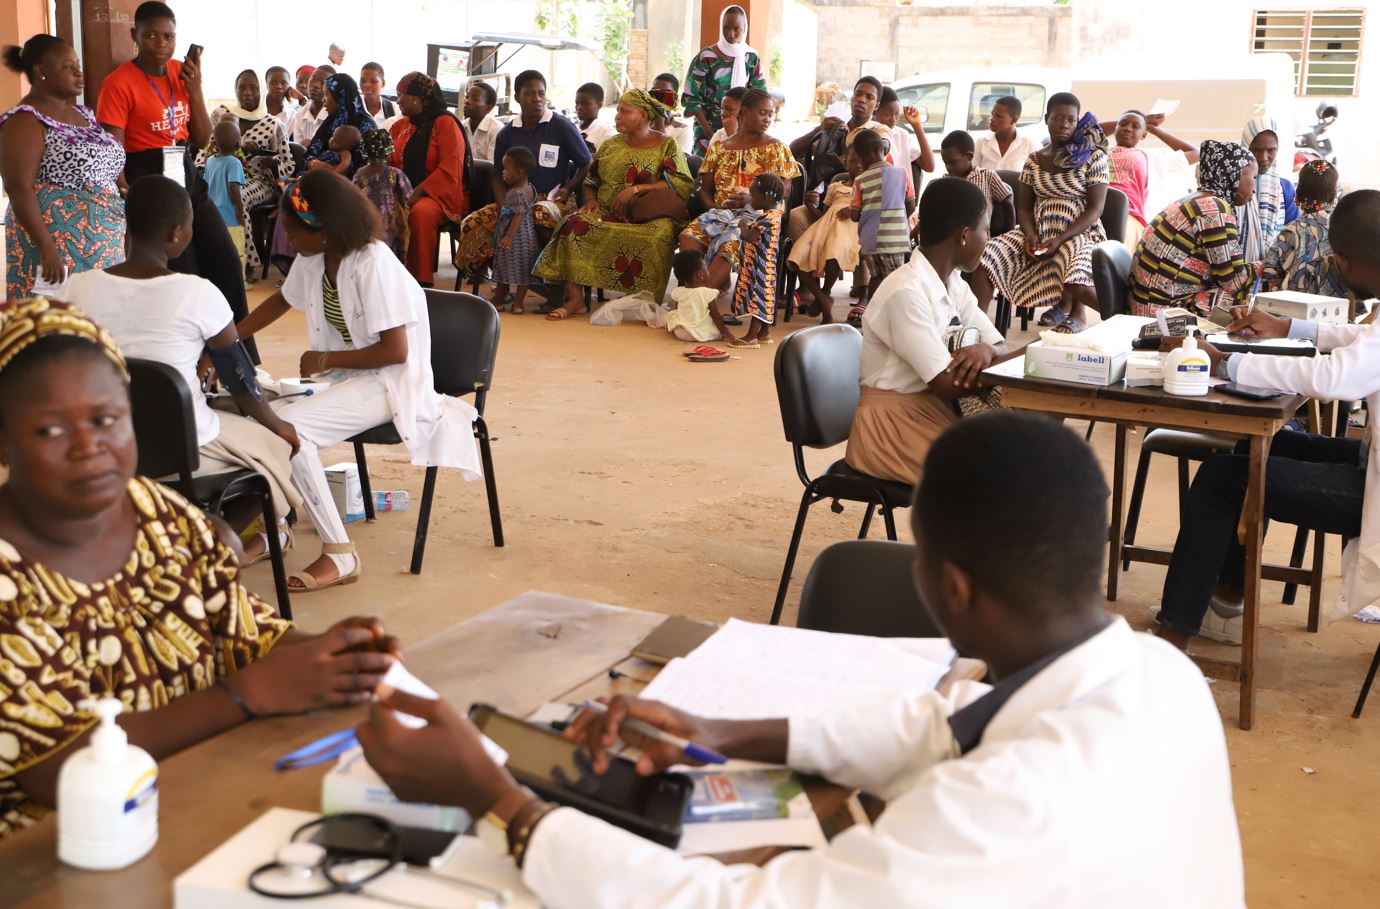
[{"x": 750, "y": 671}]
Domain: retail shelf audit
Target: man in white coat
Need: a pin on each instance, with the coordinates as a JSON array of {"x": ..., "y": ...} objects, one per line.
[
  {"x": 1093, "y": 773},
  {"x": 1313, "y": 481}
]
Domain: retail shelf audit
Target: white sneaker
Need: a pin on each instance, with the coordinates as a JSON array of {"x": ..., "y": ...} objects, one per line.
[{"x": 1217, "y": 627}]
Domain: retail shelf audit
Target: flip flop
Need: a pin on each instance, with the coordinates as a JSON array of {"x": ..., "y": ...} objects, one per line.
[
  {"x": 721, "y": 357},
  {"x": 1069, "y": 325},
  {"x": 744, "y": 345},
  {"x": 560, "y": 315},
  {"x": 1052, "y": 318},
  {"x": 704, "y": 350}
]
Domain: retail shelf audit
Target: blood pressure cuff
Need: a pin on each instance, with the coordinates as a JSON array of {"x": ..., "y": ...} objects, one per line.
[{"x": 236, "y": 370}]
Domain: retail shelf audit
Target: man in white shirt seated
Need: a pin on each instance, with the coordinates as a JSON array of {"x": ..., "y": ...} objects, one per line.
[
  {"x": 310, "y": 116},
  {"x": 1093, "y": 774},
  {"x": 480, "y": 100},
  {"x": 1313, "y": 481},
  {"x": 1005, "y": 149}
]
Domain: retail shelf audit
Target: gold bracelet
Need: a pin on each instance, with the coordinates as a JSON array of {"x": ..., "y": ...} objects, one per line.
[
  {"x": 321, "y": 361},
  {"x": 520, "y": 835}
]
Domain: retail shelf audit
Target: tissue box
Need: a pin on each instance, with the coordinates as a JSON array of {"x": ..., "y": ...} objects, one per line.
[
  {"x": 1145, "y": 368},
  {"x": 352, "y": 785},
  {"x": 1291, "y": 304},
  {"x": 343, "y": 479},
  {"x": 1071, "y": 365}
]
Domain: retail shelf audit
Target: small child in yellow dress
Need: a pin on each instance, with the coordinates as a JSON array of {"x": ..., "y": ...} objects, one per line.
[{"x": 694, "y": 316}]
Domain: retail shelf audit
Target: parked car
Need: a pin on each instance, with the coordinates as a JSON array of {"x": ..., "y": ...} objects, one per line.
[{"x": 963, "y": 98}]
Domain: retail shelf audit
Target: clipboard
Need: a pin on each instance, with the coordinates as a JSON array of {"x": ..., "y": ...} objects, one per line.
[{"x": 675, "y": 637}]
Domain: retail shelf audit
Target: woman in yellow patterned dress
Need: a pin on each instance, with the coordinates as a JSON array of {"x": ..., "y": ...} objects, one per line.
[
  {"x": 111, "y": 584},
  {"x": 725, "y": 176},
  {"x": 634, "y": 204}
]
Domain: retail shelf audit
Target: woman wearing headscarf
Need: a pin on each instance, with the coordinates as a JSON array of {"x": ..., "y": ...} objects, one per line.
[
  {"x": 263, "y": 146},
  {"x": 1190, "y": 254},
  {"x": 1047, "y": 260},
  {"x": 725, "y": 65},
  {"x": 344, "y": 107},
  {"x": 429, "y": 147},
  {"x": 624, "y": 237},
  {"x": 112, "y": 585},
  {"x": 1261, "y": 223}
]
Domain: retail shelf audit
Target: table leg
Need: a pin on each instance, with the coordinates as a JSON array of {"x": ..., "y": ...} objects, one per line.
[
  {"x": 1251, "y": 531},
  {"x": 1118, "y": 512}
]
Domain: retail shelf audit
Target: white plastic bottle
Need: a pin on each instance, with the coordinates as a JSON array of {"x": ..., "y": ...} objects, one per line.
[
  {"x": 1187, "y": 369},
  {"x": 107, "y": 799}
]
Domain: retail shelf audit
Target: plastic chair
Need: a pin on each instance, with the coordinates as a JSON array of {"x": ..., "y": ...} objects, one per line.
[
  {"x": 1115, "y": 210},
  {"x": 481, "y": 194},
  {"x": 866, "y": 587},
  {"x": 817, "y": 388},
  {"x": 165, "y": 429},
  {"x": 464, "y": 346},
  {"x": 1111, "y": 271}
]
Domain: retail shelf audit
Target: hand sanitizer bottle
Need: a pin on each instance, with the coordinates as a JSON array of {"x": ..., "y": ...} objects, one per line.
[
  {"x": 1187, "y": 369},
  {"x": 107, "y": 799}
]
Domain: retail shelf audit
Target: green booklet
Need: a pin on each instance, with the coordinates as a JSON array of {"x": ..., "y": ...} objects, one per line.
[{"x": 742, "y": 795}]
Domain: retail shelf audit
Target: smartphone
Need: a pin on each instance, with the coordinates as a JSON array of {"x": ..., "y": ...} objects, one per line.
[
  {"x": 1250, "y": 393},
  {"x": 560, "y": 771},
  {"x": 194, "y": 53}
]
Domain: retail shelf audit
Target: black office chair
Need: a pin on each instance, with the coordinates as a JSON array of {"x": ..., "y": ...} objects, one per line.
[
  {"x": 1001, "y": 314},
  {"x": 481, "y": 194},
  {"x": 1115, "y": 210},
  {"x": 165, "y": 428},
  {"x": 817, "y": 388},
  {"x": 865, "y": 587},
  {"x": 1365, "y": 688},
  {"x": 464, "y": 346},
  {"x": 1111, "y": 271}
]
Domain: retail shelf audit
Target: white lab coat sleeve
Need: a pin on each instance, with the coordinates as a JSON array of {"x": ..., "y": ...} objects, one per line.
[
  {"x": 1332, "y": 335},
  {"x": 1349, "y": 373}
]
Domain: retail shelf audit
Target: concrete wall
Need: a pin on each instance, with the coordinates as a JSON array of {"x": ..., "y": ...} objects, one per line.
[
  {"x": 670, "y": 22},
  {"x": 20, "y": 20}
]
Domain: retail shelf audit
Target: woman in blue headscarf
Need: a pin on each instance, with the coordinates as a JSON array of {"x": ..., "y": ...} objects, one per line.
[{"x": 344, "y": 107}]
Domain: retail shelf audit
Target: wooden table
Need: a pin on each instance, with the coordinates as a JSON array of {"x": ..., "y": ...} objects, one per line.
[
  {"x": 1123, "y": 406},
  {"x": 530, "y": 650}
]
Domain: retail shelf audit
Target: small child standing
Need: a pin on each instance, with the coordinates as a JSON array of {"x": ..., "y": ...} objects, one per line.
[
  {"x": 387, "y": 187},
  {"x": 694, "y": 317},
  {"x": 224, "y": 176},
  {"x": 829, "y": 246},
  {"x": 515, "y": 238},
  {"x": 755, "y": 293},
  {"x": 956, "y": 151},
  {"x": 881, "y": 206},
  {"x": 343, "y": 140}
]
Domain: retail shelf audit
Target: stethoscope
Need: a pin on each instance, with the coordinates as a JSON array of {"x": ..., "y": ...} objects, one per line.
[{"x": 304, "y": 870}]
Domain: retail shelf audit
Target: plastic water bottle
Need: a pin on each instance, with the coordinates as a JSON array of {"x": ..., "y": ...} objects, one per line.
[{"x": 391, "y": 500}]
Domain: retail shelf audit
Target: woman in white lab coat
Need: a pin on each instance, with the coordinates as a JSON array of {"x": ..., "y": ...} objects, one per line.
[{"x": 368, "y": 330}]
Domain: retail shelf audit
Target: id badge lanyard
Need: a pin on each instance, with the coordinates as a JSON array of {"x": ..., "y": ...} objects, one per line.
[{"x": 174, "y": 168}]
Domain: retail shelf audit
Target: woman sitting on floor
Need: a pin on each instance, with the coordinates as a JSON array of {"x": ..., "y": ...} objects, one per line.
[
  {"x": 634, "y": 205},
  {"x": 1190, "y": 254},
  {"x": 89, "y": 552},
  {"x": 369, "y": 333}
]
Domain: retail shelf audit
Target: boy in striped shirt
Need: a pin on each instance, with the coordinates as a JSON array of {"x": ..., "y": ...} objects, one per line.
[
  {"x": 957, "y": 151},
  {"x": 882, "y": 200}
]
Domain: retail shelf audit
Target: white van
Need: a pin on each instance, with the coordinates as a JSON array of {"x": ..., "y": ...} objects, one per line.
[{"x": 963, "y": 98}]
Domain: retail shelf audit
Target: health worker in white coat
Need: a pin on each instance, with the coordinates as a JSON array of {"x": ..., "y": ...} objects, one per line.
[
  {"x": 1046, "y": 789},
  {"x": 1312, "y": 481},
  {"x": 369, "y": 335}
]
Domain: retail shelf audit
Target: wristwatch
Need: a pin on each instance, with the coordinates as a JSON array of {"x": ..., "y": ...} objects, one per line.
[{"x": 492, "y": 831}]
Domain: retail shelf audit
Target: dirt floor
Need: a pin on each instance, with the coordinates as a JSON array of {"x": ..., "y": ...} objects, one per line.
[{"x": 631, "y": 476}]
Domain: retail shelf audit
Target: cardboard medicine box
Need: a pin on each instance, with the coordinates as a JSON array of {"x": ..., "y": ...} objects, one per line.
[
  {"x": 343, "y": 479},
  {"x": 1291, "y": 304}
]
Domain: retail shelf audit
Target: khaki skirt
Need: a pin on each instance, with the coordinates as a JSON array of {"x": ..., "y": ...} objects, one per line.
[
  {"x": 242, "y": 443},
  {"x": 892, "y": 432}
]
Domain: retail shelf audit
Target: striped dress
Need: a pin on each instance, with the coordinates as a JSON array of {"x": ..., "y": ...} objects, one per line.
[
  {"x": 755, "y": 293},
  {"x": 1190, "y": 256},
  {"x": 1060, "y": 198}
]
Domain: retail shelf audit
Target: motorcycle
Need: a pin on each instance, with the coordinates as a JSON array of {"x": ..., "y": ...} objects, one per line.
[{"x": 1311, "y": 145}]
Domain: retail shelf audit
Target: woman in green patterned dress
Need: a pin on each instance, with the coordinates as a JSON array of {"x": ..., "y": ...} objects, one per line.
[
  {"x": 728, "y": 64},
  {"x": 634, "y": 206}
]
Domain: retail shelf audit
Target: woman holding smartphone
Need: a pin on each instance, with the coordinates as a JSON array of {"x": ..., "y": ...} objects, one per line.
[{"x": 154, "y": 105}]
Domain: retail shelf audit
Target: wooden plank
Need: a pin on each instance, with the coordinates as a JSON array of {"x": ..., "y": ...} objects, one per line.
[
  {"x": 1151, "y": 412},
  {"x": 1156, "y": 555},
  {"x": 1253, "y": 517}
]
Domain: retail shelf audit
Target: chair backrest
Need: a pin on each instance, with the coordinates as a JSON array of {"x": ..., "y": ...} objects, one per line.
[
  {"x": 866, "y": 587},
  {"x": 464, "y": 343},
  {"x": 1114, "y": 213},
  {"x": 481, "y": 184},
  {"x": 1000, "y": 221},
  {"x": 299, "y": 157},
  {"x": 1013, "y": 180},
  {"x": 817, "y": 384},
  {"x": 1111, "y": 270},
  {"x": 694, "y": 162},
  {"x": 164, "y": 422}
]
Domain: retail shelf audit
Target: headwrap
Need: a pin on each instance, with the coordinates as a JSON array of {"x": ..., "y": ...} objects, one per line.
[
  {"x": 257, "y": 113},
  {"x": 24, "y": 322},
  {"x": 377, "y": 145},
  {"x": 349, "y": 111},
  {"x": 1269, "y": 192},
  {"x": 736, "y": 52},
  {"x": 1087, "y": 136},
  {"x": 306, "y": 69},
  {"x": 645, "y": 101},
  {"x": 1318, "y": 166},
  {"x": 1219, "y": 168},
  {"x": 420, "y": 85},
  {"x": 292, "y": 192}
]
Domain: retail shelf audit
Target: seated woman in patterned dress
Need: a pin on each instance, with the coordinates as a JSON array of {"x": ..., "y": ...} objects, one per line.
[
  {"x": 1190, "y": 254},
  {"x": 111, "y": 584},
  {"x": 1047, "y": 260},
  {"x": 1304, "y": 239},
  {"x": 634, "y": 205},
  {"x": 727, "y": 172}
]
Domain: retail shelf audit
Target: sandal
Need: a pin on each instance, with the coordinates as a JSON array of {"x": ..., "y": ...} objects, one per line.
[
  {"x": 1052, "y": 317},
  {"x": 719, "y": 356},
  {"x": 1069, "y": 325},
  {"x": 309, "y": 581},
  {"x": 503, "y": 301},
  {"x": 561, "y": 314},
  {"x": 855, "y": 315},
  {"x": 740, "y": 344},
  {"x": 704, "y": 350},
  {"x": 285, "y": 544}
]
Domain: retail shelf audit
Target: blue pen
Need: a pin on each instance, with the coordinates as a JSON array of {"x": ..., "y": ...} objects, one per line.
[{"x": 694, "y": 752}]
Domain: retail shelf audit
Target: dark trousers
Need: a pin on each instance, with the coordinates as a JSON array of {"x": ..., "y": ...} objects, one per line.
[{"x": 1313, "y": 481}]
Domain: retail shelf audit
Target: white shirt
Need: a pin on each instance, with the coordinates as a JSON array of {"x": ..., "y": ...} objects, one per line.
[
  {"x": 376, "y": 294},
  {"x": 388, "y": 111},
  {"x": 1351, "y": 372},
  {"x": 484, "y": 137},
  {"x": 906, "y": 148},
  {"x": 597, "y": 131},
  {"x": 903, "y": 328},
  {"x": 284, "y": 116},
  {"x": 167, "y": 319},
  {"x": 1102, "y": 781},
  {"x": 304, "y": 124},
  {"x": 684, "y": 136},
  {"x": 988, "y": 153}
]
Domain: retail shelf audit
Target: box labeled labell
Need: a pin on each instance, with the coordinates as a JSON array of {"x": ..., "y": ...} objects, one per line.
[
  {"x": 343, "y": 479},
  {"x": 1292, "y": 304},
  {"x": 1069, "y": 364}
]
